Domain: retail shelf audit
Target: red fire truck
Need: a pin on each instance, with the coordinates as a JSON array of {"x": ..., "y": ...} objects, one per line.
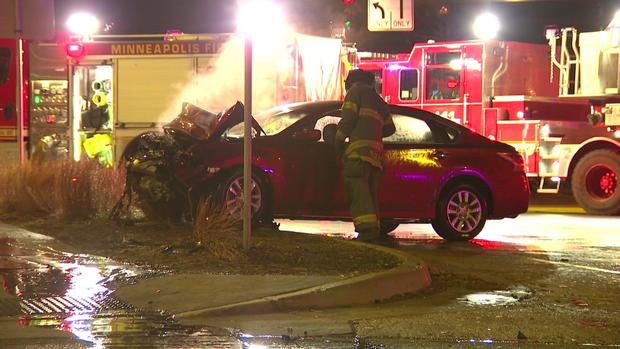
[
  {"x": 560, "y": 113},
  {"x": 88, "y": 99}
]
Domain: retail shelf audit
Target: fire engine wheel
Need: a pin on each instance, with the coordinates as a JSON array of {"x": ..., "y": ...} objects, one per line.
[
  {"x": 230, "y": 195},
  {"x": 595, "y": 182},
  {"x": 461, "y": 213}
]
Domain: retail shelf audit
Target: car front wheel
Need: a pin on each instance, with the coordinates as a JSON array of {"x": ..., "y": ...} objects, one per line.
[
  {"x": 461, "y": 213},
  {"x": 231, "y": 195}
]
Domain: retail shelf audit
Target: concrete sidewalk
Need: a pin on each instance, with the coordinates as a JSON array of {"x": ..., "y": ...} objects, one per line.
[{"x": 193, "y": 295}]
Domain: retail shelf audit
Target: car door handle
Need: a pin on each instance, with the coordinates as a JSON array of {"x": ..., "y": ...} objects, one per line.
[{"x": 440, "y": 154}]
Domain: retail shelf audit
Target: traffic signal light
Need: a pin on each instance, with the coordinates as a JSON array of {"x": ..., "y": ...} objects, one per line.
[{"x": 348, "y": 13}]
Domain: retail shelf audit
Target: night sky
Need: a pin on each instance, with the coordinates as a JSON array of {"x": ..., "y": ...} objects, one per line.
[{"x": 521, "y": 21}]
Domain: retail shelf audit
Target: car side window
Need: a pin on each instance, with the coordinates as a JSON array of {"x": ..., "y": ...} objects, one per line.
[
  {"x": 410, "y": 130},
  {"x": 324, "y": 121}
]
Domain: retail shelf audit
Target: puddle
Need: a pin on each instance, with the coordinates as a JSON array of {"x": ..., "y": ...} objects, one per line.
[
  {"x": 497, "y": 298},
  {"x": 74, "y": 293},
  {"x": 132, "y": 329}
]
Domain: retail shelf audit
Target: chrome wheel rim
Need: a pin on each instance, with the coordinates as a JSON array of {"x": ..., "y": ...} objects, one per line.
[
  {"x": 233, "y": 200},
  {"x": 464, "y": 211}
]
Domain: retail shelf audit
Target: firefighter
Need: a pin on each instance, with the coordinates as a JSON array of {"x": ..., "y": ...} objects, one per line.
[{"x": 365, "y": 121}]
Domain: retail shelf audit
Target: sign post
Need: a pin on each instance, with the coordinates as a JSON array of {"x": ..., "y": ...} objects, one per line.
[{"x": 390, "y": 15}]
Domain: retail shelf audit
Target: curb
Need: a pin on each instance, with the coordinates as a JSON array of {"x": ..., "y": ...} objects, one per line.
[{"x": 409, "y": 276}]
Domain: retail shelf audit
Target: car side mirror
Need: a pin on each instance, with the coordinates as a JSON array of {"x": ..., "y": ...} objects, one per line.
[
  {"x": 329, "y": 133},
  {"x": 307, "y": 135}
]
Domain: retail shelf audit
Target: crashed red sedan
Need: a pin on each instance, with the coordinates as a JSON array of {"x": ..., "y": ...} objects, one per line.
[{"x": 435, "y": 171}]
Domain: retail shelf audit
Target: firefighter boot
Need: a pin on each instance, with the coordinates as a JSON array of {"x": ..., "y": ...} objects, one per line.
[{"x": 368, "y": 234}]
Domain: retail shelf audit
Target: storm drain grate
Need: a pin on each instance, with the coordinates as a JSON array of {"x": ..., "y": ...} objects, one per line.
[{"x": 66, "y": 304}]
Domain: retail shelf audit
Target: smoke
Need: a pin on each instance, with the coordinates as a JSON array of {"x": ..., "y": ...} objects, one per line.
[{"x": 220, "y": 80}]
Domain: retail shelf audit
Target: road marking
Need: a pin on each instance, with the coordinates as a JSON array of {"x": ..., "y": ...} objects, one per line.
[{"x": 578, "y": 266}]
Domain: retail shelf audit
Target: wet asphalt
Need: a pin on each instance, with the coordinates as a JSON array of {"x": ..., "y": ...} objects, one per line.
[{"x": 553, "y": 265}]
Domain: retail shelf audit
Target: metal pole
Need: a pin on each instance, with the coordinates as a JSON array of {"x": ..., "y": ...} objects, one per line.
[
  {"x": 19, "y": 99},
  {"x": 247, "y": 145}
]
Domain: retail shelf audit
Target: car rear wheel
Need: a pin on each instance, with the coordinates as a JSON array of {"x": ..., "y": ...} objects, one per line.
[
  {"x": 230, "y": 195},
  {"x": 461, "y": 213},
  {"x": 595, "y": 182}
]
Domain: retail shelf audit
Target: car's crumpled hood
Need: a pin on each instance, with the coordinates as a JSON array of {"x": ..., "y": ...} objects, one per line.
[{"x": 202, "y": 124}]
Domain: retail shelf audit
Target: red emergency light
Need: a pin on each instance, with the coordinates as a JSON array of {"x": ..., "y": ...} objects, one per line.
[{"x": 75, "y": 50}]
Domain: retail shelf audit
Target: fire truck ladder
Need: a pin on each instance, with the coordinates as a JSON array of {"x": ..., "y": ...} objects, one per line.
[{"x": 568, "y": 65}]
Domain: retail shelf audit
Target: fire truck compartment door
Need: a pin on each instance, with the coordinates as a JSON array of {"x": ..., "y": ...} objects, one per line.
[{"x": 147, "y": 88}]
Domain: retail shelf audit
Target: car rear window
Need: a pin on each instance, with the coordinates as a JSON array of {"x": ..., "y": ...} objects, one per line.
[{"x": 410, "y": 131}]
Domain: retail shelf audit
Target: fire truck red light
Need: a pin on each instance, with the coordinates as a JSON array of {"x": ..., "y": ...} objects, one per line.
[
  {"x": 75, "y": 50},
  {"x": 74, "y": 179}
]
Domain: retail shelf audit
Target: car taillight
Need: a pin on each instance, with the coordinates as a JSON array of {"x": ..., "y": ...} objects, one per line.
[{"x": 515, "y": 159}]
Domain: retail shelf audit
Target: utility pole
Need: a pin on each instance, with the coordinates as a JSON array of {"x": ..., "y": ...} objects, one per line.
[{"x": 19, "y": 66}]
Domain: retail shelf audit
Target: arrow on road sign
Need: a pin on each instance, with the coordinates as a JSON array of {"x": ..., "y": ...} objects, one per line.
[{"x": 377, "y": 6}]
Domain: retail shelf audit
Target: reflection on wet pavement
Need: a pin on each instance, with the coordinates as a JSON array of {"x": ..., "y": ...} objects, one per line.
[
  {"x": 498, "y": 298},
  {"x": 73, "y": 292},
  {"x": 133, "y": 329}
]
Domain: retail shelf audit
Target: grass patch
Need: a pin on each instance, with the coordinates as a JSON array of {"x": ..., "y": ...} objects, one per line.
[
  {"x": 217, "y": 231},
  {"x": 64, "y": 189}
]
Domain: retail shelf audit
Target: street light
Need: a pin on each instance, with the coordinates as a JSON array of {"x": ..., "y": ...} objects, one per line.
[
  {"x": 83, "y": 24},
  {"x": 486, "y": 26},
  {"x": 256, "y": 19},
  {"x": 260, "y": 19},
  {"x": 615, "y": 22}
]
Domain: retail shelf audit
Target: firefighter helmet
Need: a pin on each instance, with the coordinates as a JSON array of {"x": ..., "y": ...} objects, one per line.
[{"x": 359, "y": 75}]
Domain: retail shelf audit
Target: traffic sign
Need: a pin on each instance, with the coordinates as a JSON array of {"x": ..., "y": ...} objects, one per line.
[{"x": 390, "y": 15}]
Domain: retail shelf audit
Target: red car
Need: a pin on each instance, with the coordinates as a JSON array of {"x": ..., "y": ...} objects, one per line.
[{"x": 435, "y": 171}]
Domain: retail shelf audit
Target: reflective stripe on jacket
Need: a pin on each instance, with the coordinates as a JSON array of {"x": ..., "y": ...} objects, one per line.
[{"x": 365, "y": 117}]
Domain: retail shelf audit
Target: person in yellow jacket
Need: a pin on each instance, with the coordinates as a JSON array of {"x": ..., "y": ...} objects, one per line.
[{"x": 365, "y": 121}]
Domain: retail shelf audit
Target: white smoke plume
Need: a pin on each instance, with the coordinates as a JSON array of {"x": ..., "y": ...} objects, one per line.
[{"x": 220, "y": 83}]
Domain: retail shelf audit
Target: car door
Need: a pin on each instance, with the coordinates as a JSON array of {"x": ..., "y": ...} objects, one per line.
[
  {"x": 311, "y": 177},
  {"x": 416, "y": 162}
]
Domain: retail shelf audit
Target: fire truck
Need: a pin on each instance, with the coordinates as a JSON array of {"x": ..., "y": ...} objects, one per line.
[
  {"x": 89, "y": 98},
  {"x": 558, "y": 104}
]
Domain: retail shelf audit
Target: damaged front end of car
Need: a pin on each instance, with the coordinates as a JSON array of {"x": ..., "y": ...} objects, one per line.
[{"x": 152, "y": 158}]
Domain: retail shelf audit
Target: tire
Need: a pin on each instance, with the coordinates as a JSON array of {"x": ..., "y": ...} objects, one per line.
[
  {"x": 157, "y": 199},
  {"x": 461, "y": 213},
  {"x": 230, "y": 195},
  {"x": 147, "y": 159},
  {"x": 595, "y": 182},
  {"x": 387, "y": 226}
]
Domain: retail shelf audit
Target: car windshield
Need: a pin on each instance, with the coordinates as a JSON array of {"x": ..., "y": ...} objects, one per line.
[{"x": 273, "y": 121}]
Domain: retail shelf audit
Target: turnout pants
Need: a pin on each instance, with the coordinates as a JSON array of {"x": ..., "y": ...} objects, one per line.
[{"x": 361, "y": 181}]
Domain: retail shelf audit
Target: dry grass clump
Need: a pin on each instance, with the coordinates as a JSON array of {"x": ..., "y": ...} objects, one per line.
[
  {"x": 217, "y": 231},
  {"x": 65, "y": 189}
]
